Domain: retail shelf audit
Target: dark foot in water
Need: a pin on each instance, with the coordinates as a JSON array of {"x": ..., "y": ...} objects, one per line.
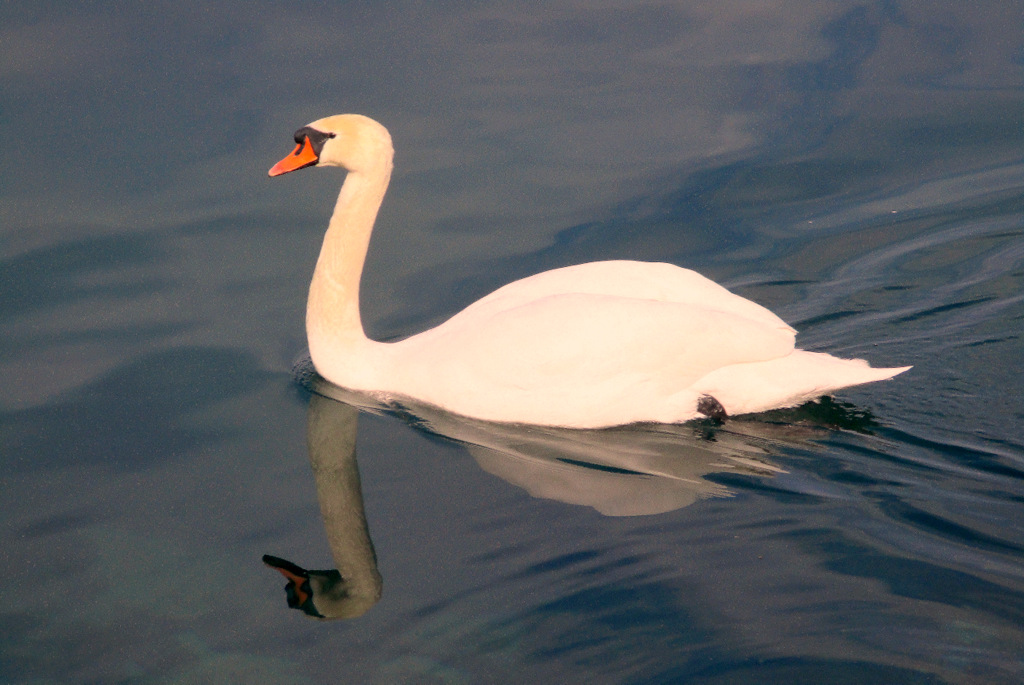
[{"x": 711, "y": 408}]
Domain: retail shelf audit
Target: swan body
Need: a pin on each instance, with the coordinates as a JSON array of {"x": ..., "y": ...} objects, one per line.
[{"x": 586, "y": 346}]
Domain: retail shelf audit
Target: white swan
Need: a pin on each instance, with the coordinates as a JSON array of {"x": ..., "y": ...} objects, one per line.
[{"x": 587, "y": 346}]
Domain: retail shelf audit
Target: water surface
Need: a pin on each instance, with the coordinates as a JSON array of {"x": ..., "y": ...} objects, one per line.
[{"x": 856, "y": 167}]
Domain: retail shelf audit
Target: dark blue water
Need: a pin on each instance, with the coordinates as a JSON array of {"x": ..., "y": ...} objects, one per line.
[{"x": 856, "y": 167}]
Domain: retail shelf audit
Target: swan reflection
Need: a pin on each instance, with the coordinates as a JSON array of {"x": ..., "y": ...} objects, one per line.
[
  {"x": 626, "y": 471},
  {"x": 354, "y": 586}
]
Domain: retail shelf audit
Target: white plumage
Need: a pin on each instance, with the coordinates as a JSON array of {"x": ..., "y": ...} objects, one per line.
[{"x": 598, "y": 344}]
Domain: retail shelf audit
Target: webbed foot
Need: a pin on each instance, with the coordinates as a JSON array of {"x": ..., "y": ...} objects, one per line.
[{"x": 711, "y": 408}]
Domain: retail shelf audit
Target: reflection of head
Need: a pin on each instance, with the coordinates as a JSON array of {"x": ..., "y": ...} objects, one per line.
[
  {"x": 320, "y": 594},
  {"x": 355, "y": 585}
]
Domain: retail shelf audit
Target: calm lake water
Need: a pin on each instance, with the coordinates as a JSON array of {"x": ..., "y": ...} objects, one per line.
[{"x": 858, "y": 167}]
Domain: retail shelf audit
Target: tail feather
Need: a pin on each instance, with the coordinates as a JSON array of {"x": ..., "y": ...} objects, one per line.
[{"x": 788, "y": 381}]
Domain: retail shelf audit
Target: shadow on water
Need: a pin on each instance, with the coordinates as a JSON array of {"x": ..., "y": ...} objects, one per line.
[
  {"x": 95, "y": 425},
  {"x": 636, "y": 470},
  {"x": 53, "y": 276}
]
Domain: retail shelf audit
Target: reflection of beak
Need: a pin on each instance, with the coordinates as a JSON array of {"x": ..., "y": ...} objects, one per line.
[
  {"x": 303, "y": 156},
  {"x": 298, "y": 589}
]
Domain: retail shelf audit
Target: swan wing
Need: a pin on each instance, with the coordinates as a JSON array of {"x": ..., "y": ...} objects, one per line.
[
  {"x": 656, "y": 281},
  {"x": 571, "y": 358}
]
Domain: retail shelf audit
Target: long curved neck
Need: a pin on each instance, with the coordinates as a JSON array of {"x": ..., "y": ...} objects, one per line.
[{"x": 332, "y": 313}]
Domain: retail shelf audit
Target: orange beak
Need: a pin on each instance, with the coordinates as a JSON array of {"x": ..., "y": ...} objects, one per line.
[{"x": 302, "y": 156}]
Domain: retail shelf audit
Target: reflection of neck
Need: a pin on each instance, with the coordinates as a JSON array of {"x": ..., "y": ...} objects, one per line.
[
  {"x": 333, "y": 324},
  {"x": 331, "y": 434}
]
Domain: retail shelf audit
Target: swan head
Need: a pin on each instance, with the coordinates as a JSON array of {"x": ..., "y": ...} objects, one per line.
[{"x": 350, "y": 141}]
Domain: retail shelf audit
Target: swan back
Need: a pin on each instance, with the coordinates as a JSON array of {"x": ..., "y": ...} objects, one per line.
[{"x": 654, "y": 281}]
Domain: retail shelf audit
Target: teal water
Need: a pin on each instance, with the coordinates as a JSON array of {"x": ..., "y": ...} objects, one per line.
[{"x": 856, "y": 167}]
